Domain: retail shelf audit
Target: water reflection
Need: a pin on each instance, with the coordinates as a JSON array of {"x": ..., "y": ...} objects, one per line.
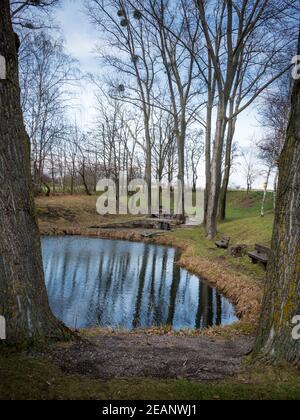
[{"x": 95, "y": 282}]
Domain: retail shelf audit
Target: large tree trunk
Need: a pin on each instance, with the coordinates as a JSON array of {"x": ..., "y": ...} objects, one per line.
[
  {"x": 281, "y": 301},
  {"x": 23, "y": 296}
]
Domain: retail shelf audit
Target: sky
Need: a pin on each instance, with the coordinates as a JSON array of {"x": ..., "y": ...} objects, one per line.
[{"x": 80, "y": 41}]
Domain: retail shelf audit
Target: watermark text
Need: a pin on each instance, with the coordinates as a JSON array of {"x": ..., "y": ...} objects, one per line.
[
  {"x": 2, "y": 68},
  {"x": 2, "y": 328},
  {"x": 296, "y": 68},
  {"x": 296, "y": 329},
  {"x": 137, "y": 198}
]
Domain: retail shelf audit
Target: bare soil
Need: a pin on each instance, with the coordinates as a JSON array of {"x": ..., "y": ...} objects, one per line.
[{"x": 126, "y": 355}]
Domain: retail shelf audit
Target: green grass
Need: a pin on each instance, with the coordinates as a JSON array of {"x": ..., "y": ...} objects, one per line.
[
  {"x": 23, "y": 378},
  {"x": 244, "y": 225},
  {"x": 241, "y": 205},
  {"x": 244, "y": 222}
]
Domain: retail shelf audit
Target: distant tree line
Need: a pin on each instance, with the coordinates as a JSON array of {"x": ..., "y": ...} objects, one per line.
[{"x": 175, "y": 76}]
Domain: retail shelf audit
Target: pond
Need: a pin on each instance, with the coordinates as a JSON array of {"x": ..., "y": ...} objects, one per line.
[{"x": 125, "y": 285}]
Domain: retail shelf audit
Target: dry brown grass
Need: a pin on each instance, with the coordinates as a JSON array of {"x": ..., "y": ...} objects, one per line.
[{"x": 69, "y": 212}]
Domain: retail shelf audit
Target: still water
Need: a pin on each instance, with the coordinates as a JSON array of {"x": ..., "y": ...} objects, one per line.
[{"x": 96, "y": 282}]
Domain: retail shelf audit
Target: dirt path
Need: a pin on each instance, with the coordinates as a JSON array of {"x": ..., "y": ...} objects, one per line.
[{"x": 166, "y": 357}]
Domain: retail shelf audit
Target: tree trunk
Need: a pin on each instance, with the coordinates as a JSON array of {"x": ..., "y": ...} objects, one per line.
[
  {"x": 181, "y": 172},
  {"x": 281, "y": 299},
  {"x": 208, "y": 154},
  {"x": 228, "y": 164},
  {"x": 83, "y": 177},
  {"x": 148, "y": 178},
  {"x": 216, "y": 173},
  {"x": 263, "y": 203},
  {"x": 208, "y": 131},
  {"x": 148, "y": 169},
  {"x": 23, "y": 296}
]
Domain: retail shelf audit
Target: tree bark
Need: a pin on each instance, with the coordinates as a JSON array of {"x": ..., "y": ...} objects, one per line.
[
  {"x": 210, "y": 102},
  {"x": 23, "y": 296},
  {"x": 216, "y": 173},
  {"x": 228, "y": 165},
  {"x": 263, "y": 203},
  {"x": 148, "y": 169},
  {"x": 281, "y": 299},
  {"x": 275, "y": 189}
]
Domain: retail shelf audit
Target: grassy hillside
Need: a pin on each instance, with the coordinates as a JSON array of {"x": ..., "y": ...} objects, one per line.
[{"x": 244, "y": 223}]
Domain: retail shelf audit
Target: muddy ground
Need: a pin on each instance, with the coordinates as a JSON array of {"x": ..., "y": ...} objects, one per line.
[{"x": 108, "y": 356}]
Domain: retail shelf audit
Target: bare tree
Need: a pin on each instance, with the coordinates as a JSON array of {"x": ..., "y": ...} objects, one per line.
[
  {"x": 194, "y": 154},
  {"x": 275, "y": 113},
  {"x": 173, "y": 24},
  {"x": 46, "y": 73},
  {"x": 249, "y": 168},
  {"x": 134, "y": 62},
  {"x": 235, "y": 35}
]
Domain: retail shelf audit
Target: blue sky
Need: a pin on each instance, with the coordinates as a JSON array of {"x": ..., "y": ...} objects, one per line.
[{"x": 81, "y": 38}]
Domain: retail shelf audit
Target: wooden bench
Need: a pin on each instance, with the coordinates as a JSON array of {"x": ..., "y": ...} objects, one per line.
[
  {"x": 223, "y": 243},
  {"x": 260, "y": 255}
]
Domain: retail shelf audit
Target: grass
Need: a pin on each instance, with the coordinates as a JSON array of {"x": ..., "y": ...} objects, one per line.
[
  {"x": 69, "y": 211},
  {"x": 244, "y": 225},
  {"x": 22, "y": 377}
]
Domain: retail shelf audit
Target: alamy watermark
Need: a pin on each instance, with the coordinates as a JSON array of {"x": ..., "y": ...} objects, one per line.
[
  {"x": 133, "y": 198},
  {"x": 296, "y": 329},
  {"x": 296, "y": 68},
  {"x": 2, "y": 68},
  {"x": 2, "y": 328}
]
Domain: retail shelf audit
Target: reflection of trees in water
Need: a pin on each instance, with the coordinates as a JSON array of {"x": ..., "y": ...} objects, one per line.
[
  {"x": 161, "y": 286},
  {"x": 209, "y": 311},
  {"x": 198, "y": 324},
  {"x": 173, "y": 293},
  {"x": 127, "y": 285},
  {"x": 151, "y": 305},
  {"x": 142, "y": 279},
  {"x": 219, "y": 309}
]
